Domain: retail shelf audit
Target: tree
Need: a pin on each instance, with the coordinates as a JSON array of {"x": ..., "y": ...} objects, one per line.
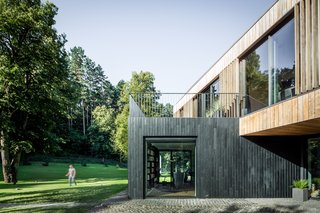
[
  {"x": 101, "y": 131},
  {"x": 256, "y": 80},
  {"x": 34, "y": 79},
  {"x": 141, "y": 82},
  {"x": 93, "y": 90}
]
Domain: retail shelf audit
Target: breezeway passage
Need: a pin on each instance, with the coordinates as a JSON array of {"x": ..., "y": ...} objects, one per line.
[{"x": 169, "y": 167}]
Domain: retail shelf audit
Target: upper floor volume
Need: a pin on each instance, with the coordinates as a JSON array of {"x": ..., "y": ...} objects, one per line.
[{"x": 274, "y": 65}]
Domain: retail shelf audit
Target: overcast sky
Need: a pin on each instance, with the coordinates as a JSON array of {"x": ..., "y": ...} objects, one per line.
[{"x": 176, "y": 40}]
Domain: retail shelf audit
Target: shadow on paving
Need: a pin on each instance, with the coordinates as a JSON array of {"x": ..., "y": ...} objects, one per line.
[{"x": 263, "y": 209}]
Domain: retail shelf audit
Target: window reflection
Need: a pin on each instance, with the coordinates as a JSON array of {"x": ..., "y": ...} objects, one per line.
[
  {"x": 257, "y": 78},
  {"x": 270, "y": 70},
  {"x": 283, "y": 74}
]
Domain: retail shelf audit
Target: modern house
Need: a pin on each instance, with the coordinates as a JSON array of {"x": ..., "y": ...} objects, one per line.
[{"x": 247, "y": 128}]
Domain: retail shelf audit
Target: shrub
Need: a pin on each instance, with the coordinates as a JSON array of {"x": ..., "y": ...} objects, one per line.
[
  {"x": 300, "y": 184},
  {"x": 316, "y": 181},
  {"x": 83, "y": 164},
  {"x": 45, "y": 163}
]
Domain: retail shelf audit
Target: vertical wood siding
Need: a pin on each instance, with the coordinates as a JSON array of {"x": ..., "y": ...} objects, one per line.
[
  {"x": 297, "y": 116},
  {"x": 307, "y": 56},
  {"x": 227, "y": 166}
]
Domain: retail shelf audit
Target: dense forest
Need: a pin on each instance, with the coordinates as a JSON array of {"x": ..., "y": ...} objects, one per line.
[{"x": 55, "y": 101}]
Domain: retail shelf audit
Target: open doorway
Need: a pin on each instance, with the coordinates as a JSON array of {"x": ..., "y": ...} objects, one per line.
[
  {"x": 314, "y": 167},
  {"x": 170, "y": 167}
]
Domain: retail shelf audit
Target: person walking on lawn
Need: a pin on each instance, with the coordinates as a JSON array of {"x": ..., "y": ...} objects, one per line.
[{"x": 71, "y": 175}]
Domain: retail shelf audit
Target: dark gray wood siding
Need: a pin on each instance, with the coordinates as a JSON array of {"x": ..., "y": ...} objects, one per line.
[{"x": 227, "y": 165}]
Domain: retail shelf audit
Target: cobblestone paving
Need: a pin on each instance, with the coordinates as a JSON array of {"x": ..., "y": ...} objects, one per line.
[{"x": 121, "y": 204}]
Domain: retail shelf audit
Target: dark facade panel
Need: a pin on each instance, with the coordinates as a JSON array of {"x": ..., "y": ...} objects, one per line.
[{"x": 227, "y": 165}]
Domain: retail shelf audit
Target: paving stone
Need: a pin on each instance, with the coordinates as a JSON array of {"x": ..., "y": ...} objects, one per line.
[{"x": 121, "y": 203}]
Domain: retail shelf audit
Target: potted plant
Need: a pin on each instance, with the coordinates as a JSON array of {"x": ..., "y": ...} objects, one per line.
[{"x": 300, "y": 190}]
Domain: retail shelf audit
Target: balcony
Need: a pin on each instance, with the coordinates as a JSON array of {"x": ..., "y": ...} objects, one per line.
[{"x": 186, "y": 105}]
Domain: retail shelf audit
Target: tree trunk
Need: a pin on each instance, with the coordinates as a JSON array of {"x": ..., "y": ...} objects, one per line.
[
  {"x": 83, "y": 119},
  {"x": 14, "y": 167},
  {"x": 5, "y": 158}
]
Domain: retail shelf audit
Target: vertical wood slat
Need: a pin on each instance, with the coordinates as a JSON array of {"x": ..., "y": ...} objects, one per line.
[
  {"x": 302, "y": 47},
  {"x": 246, "y": 165},
  {"x": 318, "y": 45},
  {"x": 315, "y": 40},
  {"x": 308, "y": 45},
  {"x": 297, "y": 48}
]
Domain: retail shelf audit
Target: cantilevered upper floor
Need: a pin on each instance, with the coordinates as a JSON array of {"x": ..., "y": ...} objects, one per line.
[{"x": 271, "y": 74}]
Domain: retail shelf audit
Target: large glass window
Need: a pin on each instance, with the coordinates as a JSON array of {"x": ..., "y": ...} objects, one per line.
[
  {"x": 282, "y": 62},
  {"x": 269, "y": 69},
  {"x": 257, "y": 78}
]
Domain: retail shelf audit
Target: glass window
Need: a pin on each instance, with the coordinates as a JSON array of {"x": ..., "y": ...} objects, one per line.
[
  {"x": 215, "y": 87},
  {"x": 270, "y": 70},
  {"x": 257, "y": 78},
  {"x": 283, "y": 74},
  {"x": 208, "y": 100}
]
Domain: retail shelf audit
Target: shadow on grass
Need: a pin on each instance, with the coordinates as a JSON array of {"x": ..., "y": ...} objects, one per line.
[
  {"x": 30, "y": 185},
  {"x": 76, "y": 194},
  {"x": 53, "y": 182},
  {"x": 47, "y": 209}
]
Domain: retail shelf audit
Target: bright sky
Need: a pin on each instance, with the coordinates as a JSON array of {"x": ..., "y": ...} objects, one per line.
[{"x": 176, "y": 40}]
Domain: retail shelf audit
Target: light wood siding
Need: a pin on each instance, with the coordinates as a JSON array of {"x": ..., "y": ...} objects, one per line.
[
  {"x": 231, "y": 72},
  {"x": 297, "y": 48},
  {"x": 297, "y": 116},
  {"x": 229, "y": 83},
  {"x": 302, "y": 53},
  {"x": 271, "y": 18},
  {"x": 307, "y": 45},
  {"x": 308, "y": 63},
  {"x": 315, "y": 40},
  {"x": 318, "y": 40}
]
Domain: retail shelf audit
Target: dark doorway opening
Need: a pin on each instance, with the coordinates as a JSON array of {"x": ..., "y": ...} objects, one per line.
[
  {"x": 170, "y": 167},
  {"x": 314, "y": 167}
]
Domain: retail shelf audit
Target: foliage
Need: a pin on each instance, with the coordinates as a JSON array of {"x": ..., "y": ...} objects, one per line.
[
  {"x": 300, "y": 184},
  {"x": 101, "y": 131},
  {"x": 141, "y": 82},
  {"x": 316, "y": 181},
  {"x": 34, "y": 80},
  {"x": 256, "y": 80},
  {"x": 95, "y": 183},
  {"x": 53, "y": 101},
  {"x": 93, "y": 92}
]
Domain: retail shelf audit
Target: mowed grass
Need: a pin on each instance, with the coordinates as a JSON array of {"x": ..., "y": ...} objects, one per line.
[{"x": 40, "y": 184}]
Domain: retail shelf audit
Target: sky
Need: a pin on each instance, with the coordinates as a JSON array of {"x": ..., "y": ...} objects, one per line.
[{"x": 177, "y": 40}]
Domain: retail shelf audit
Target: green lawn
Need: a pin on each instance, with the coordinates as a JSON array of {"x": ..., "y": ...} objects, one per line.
[{"x": 39, "y": 184}]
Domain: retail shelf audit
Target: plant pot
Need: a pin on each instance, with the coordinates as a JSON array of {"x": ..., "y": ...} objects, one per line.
[{"x": 300, "y": 194}]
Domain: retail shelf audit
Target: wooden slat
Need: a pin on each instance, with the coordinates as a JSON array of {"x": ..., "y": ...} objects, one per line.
[
  {"x": 270, "y": 19},
  {"x": 250, "y": 167},
  {"x": 318, "y": 45},
  {"x": 297, "y": 48},
  {"x": 315, "y": 62},
  {"x": 308, "y": 62},
  {"x": 285, "y": 116},
  {"x": 302, "y": 47}
]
